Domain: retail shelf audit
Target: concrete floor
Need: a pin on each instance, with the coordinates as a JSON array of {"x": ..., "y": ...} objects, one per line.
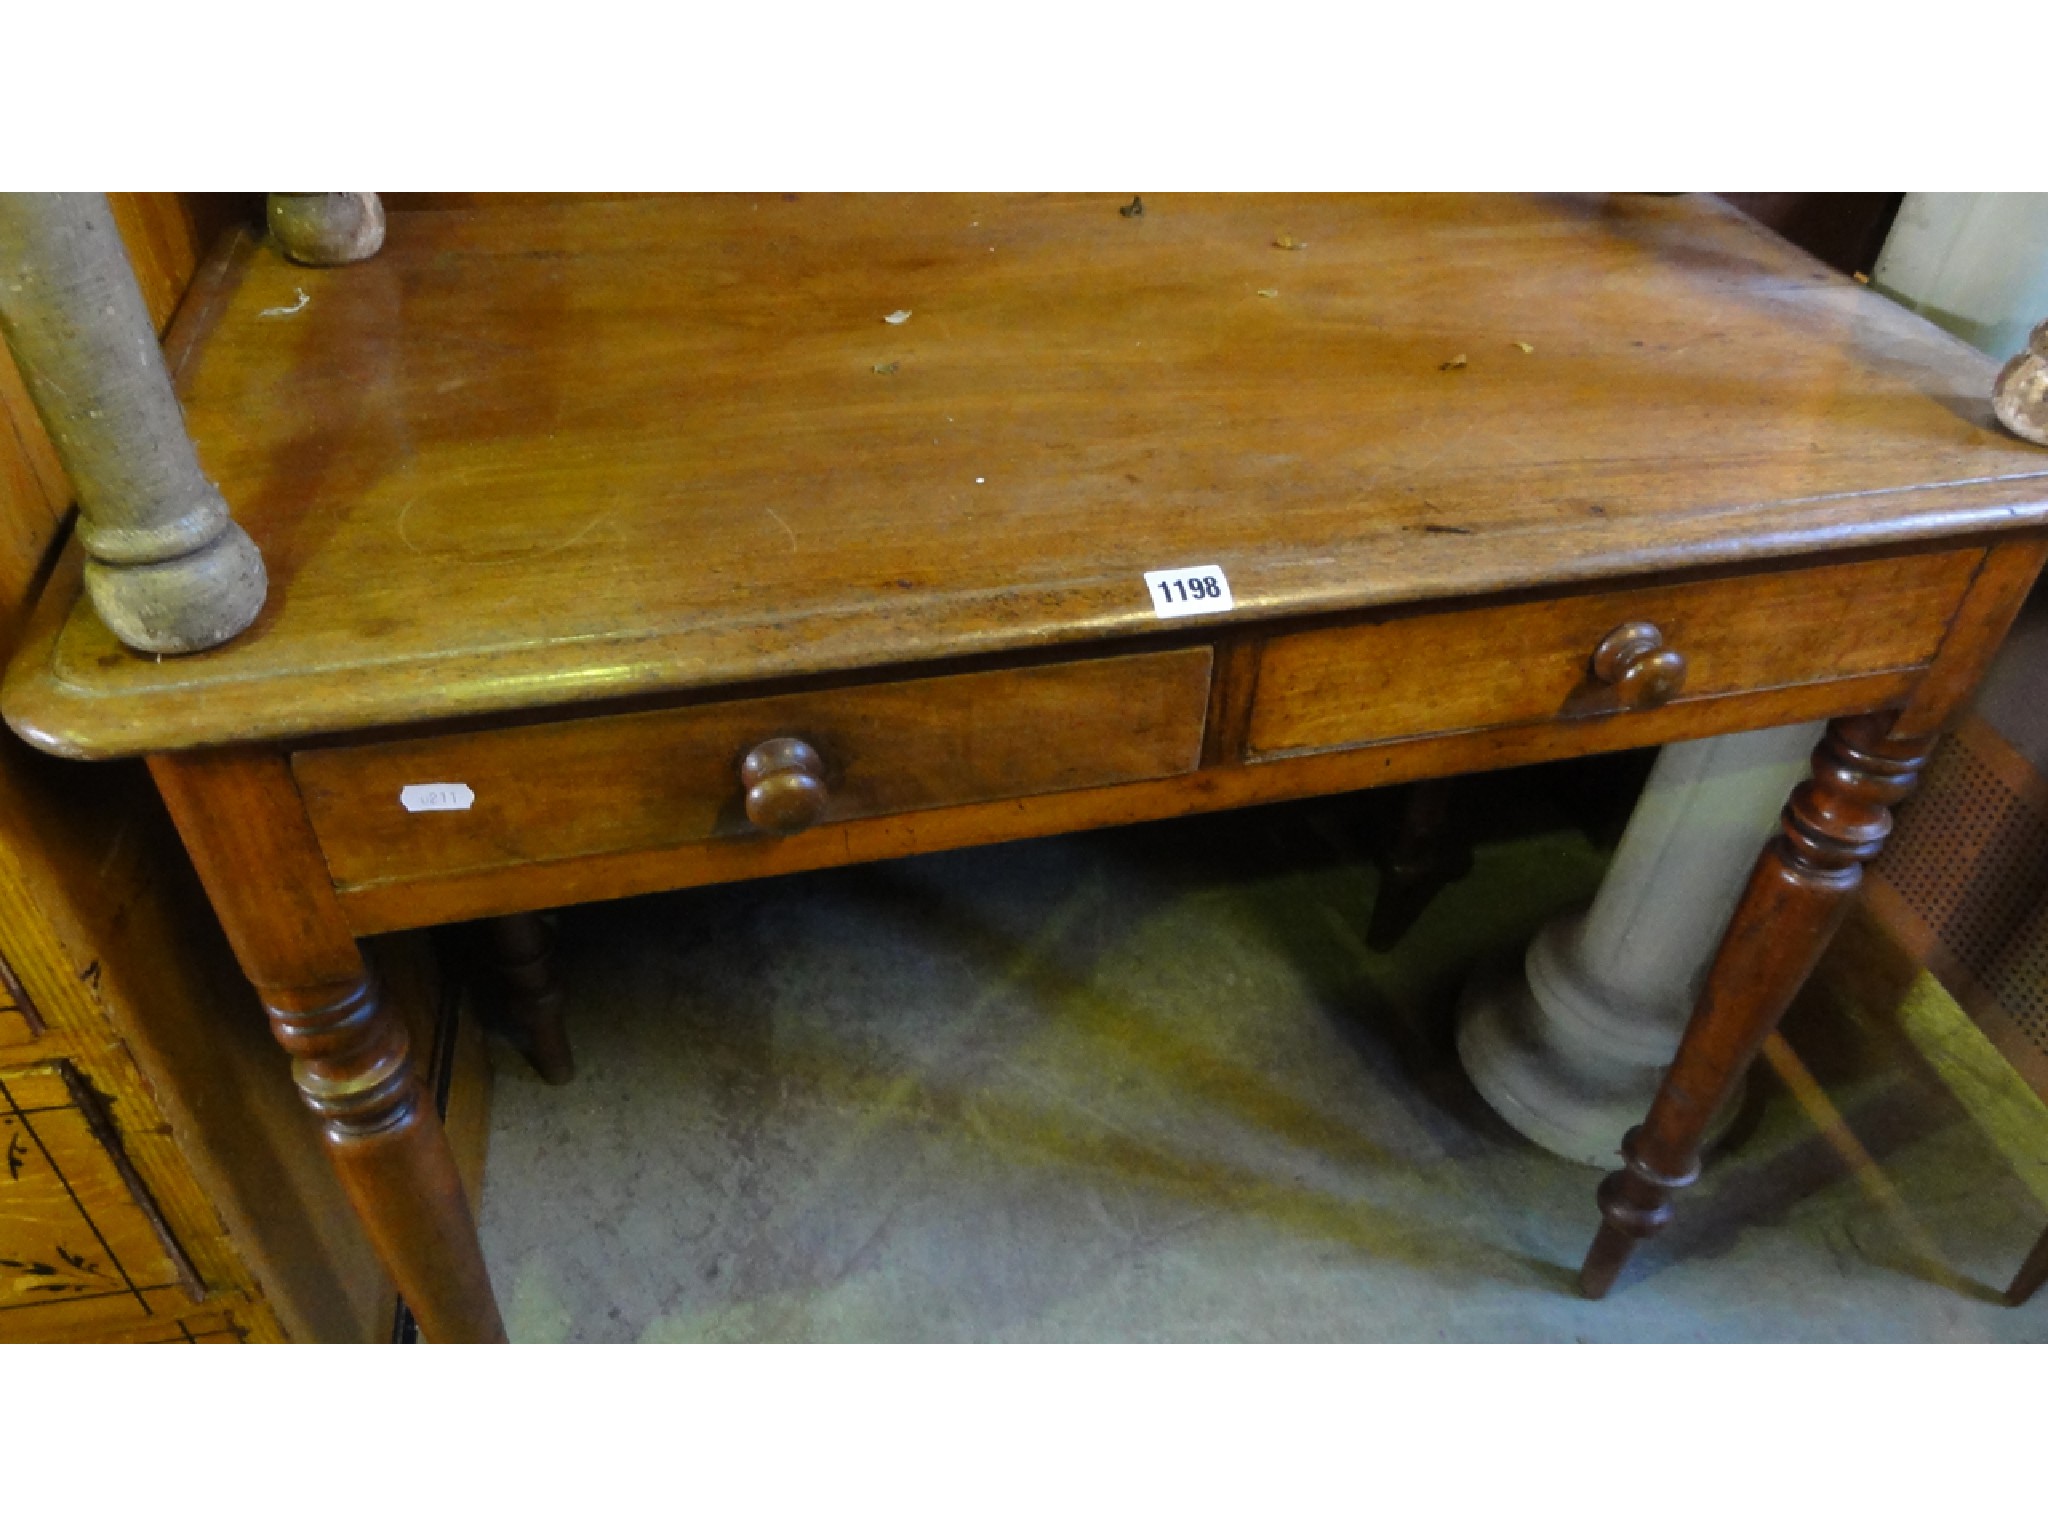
[{"x": 1149, "y": 1084}]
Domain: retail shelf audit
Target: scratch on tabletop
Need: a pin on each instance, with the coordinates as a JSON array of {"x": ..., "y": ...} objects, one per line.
[
  {"x": 539, "y": 554},
  {"x": 289, "y": 309}
]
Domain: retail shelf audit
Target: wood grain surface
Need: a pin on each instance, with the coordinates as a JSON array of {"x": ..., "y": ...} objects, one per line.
[
  {"x": 534, "y": 454},
  {"x": 1519, "y": 662},
  {"x": 351, "y": 1042},
  {"x": 407, "y": 901},
  {"x": 654, "y": 779},
  {"x": 77, "y": 1222}
]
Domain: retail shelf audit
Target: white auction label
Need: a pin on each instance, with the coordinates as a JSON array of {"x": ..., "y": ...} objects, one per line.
[
  {"x": 437, "y": 797},
  {"x": 1194, "y": 589}
]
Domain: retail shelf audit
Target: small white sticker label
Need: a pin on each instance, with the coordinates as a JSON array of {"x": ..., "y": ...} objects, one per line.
[
  {"x": 437, "y": 797},
  {"x": 1193, "y": 589}
]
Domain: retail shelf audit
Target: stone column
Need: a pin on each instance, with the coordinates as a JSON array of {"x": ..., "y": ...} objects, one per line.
[
  {"x": 2020, "y": 396},
  {"x": 326, "y": 229},
  {"x": 166, "y": 567},
  {"x": 1570, "y": 1047}
]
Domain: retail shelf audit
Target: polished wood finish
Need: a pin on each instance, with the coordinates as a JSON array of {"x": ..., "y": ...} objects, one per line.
[
  {"x": 405, "y": 902},
  {"x": 34, "y": 498},
  {"x": 1641, "y": 669},
  {"x": 522, "y": 950},
  {"x": 604, "y": 450},
  {"x": 352, "y": 1060},
  {"x": 2001, "y": 585},
  {"x": 654, "y": 780},
  {"x": 578, "y": 506},
  {"x": 1534, "y": 660},
  {"x": 1835, "y": 823},
  {"x": 785, "y": 784}
]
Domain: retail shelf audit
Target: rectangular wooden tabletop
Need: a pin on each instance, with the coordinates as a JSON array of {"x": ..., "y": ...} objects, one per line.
[{"x": 534, "y": 454}]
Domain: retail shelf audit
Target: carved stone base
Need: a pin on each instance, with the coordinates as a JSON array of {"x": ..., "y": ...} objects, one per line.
[
  {"x": 2020, "y": 397},
  {"x": 1570, "y": 1046},
  {"x": 1568, "y": 1073},
  {"x": 167, "y": 569},
  {"x": 191, "y": 603},
  {"x": 326, "y": 229}
]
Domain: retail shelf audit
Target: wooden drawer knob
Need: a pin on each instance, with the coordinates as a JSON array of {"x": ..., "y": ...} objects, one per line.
[
  {"x": 785, "y": 781},
  {"x": 1644, "y": 671}
]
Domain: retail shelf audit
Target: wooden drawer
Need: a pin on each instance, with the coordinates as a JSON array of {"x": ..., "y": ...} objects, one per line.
[
  {"x": 1525, "y": 662},
  {"x": 667, "y": 777}
]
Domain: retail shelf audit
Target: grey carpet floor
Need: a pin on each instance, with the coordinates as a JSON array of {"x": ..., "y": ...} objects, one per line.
[{"x": 1150, "y": 1085}]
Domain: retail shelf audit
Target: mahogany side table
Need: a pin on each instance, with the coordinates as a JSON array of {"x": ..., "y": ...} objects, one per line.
[{"x": 617, "y": 547}]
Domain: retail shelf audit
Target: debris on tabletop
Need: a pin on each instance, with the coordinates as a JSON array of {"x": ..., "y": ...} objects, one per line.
[{"x": 289, "y": 309}]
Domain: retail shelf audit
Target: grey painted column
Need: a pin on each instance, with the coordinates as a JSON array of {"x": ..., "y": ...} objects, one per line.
[
  {"x": 166, "y": 567},
  {"x": 1571, "y": 1045},
  {"x": 326, "y": 229}
]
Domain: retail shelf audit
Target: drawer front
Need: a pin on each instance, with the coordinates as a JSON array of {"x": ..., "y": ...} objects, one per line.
[
  {"x": 668, "y": 777},
  {"x": 1525, "y": 662}
]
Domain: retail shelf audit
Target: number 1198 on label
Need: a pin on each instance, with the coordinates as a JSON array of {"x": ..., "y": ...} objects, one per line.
[{"x": 1192, "y": 589}]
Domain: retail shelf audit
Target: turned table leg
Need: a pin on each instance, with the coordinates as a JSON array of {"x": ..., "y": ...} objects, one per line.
[
  {"x": 2031, "y": 1274},
  {"x": 1423, "y": 852},
  {"x": 1834, "y": 824},
  {"x": 352, "y": 1061},
  {"x": 239, "y": 814},
  {"x": 522, "y": 951},
  {"x": 326, "y": 229}
]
